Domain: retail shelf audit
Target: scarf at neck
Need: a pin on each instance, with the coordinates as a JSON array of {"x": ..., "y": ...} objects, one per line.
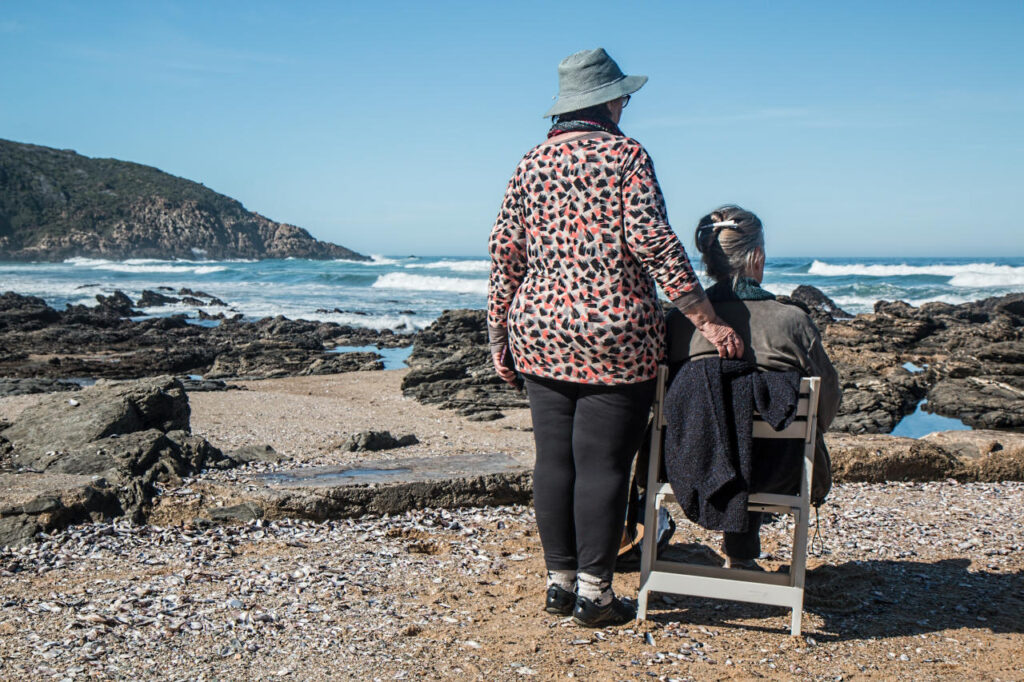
[
  {"x": 591, "y": 126},
  {"x": 744, "y": 289}
]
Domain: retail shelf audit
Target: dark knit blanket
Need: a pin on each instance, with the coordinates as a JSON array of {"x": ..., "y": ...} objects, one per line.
[{"x": 708, "y": 444}]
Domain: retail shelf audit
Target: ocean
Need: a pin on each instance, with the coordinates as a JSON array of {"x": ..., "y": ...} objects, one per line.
[{"x": 407, "y": 293}]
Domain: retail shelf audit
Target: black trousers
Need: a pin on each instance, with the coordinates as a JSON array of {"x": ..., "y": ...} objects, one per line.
[{"x": 586, "y": 436}]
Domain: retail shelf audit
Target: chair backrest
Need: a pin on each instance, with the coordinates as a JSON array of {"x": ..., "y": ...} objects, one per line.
[{"x": 803, "y": 427}]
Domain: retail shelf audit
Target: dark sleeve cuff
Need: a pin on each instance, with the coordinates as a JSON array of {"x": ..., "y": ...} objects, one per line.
[
  {"x": 689, "y": 299},
  {"x": 498, "y": 337}
]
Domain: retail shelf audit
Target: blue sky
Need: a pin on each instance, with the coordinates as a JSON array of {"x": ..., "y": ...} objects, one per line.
[{"x": 852, "y": 129}]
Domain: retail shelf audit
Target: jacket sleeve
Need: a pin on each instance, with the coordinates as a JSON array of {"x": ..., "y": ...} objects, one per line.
[
  {"x": 831, "y": 394},
  {"x": 650, "y": 237},
  {"x": 507, "y": 247}
]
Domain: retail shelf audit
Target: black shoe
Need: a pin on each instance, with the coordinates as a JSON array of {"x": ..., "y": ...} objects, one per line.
[
  {"x": 590, "y": 615},
  {"x": 560, "y": 601}
]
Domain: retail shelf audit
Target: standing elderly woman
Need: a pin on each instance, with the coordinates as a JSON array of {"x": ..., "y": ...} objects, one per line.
[{"x": 580, "y": 234}]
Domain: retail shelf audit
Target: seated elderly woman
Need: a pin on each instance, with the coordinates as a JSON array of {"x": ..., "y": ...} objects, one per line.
[{"x": 779, "y": 338}]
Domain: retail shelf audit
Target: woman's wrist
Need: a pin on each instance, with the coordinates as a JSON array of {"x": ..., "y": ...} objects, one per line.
[{"x": 700, "y": 313}]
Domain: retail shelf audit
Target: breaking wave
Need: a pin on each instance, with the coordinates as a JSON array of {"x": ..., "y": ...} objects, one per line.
[
  {"x": 455, "y": 265},
  {"x": 460, "y": 285},
  {"x": 971, "y": 275}
]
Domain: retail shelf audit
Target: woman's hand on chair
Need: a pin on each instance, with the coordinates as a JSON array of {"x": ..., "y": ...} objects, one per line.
[
  {"x": 715, "y": 330},
  {"x": 724, "y": 338}
]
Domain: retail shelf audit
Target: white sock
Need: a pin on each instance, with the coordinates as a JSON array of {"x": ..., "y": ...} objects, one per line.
[
  {"x": 564, "y": 579},
  {"x": 595, "y": 589}
]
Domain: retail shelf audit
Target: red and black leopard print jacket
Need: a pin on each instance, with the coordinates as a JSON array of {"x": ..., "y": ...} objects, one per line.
[{"x": 581, "y": 230}]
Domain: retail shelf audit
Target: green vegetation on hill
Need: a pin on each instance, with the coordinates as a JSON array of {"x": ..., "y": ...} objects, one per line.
[{"x": 57, "y": 204}]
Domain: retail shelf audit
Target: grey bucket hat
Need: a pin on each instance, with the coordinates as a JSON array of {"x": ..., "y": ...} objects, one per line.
[{"x": 591, "y": 77}]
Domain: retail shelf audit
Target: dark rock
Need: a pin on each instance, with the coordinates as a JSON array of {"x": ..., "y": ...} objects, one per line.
[
  {"x": 211, "y": 300},
  {"x": 974, "y": 353},
  {"x": 377, "y": 440},
  {"x": 241, "y": 513},
  {"x": 207, "y": 385},
  {"x": 152, "y": 299},
  {"x": 984, "y": 402},
  {"x": 189, "y": 300},
  {"x": 24, "y": 312},
  {"x": 261, "y": 360},
  {"x": 117, "y": 304},
  {"x": 32, "y": 503},
  {"x": 452, "y": 367},
  {"x": 822, "y": 309},
  {"x": 10, "y": 387},
  {"x": 484, "y": 416},
  {"x": 133, "y": 434},
  {"x": 58, "y": 422},
  {"x": 39, "y": 342},
  {"x": 880, "y": 331},
  {"x": 877, "y": 391},
  {"x": 18, "y": 530},
  {"x": 255, "y": 453}
]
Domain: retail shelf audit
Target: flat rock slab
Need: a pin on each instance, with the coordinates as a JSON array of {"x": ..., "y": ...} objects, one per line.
[
  {"x": 31, "y": 503},
  {"x": 376, "y": 487},
  {"x": 962, "y": 455},
  {"x": 396, "y": 471}
]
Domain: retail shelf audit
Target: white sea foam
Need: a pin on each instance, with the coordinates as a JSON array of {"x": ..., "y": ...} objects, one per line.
[
  {"x": 86, "y": 262},
  {"x": 139, "y": 267},
  {"x": 400, "y": 323},
  {"x": 401, "y": 280},
  {"x": 1009, "y": 277},
  {"x": 155, "y": 265},
  {"x": 455, "y": 265},
  {"x": 855, "y": 304},
  {"x": 778, "y": 288},
  {"x": 974, "y": 275},
  {"x": 378, "y": 259}
]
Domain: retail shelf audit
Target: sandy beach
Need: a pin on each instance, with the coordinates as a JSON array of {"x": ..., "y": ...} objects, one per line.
[
  {"x": 307, "y": 418},
  {"x": 917, "y": 581}
]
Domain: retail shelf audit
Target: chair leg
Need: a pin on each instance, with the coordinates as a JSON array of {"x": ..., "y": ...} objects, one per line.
[
  {"x": 798, "y": 565},
  {"x": 649, "y": 550}
]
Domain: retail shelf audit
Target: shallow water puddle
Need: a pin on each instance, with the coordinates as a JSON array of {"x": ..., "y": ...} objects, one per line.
[
  {"x": 921, "y": 423},
  {"x": 327, "y": 477},
  {"x": 394, "y": 358}
]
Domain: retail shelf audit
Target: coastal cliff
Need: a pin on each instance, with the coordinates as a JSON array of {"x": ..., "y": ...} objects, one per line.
[{"x": 56, "y": 204}]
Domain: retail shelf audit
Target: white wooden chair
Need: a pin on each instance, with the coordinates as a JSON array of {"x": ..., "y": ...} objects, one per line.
[{"x": 701, "y": 580}]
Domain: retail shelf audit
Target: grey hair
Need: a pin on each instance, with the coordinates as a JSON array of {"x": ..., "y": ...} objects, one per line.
[{"x": 728, "y": 239}]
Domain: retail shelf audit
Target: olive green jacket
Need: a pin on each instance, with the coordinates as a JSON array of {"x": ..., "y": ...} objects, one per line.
[{"x": 778, "y": 338}]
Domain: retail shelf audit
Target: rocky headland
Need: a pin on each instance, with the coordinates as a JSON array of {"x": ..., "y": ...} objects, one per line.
[{"x": 56, "y": 204}]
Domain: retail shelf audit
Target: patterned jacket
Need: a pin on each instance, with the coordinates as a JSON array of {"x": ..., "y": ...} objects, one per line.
[{"x": 580, "y": 233}]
